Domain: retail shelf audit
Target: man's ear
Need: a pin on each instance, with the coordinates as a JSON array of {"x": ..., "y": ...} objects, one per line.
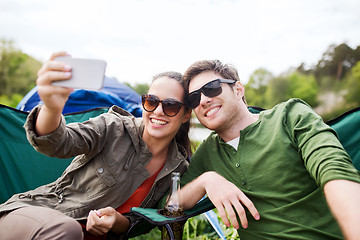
[{"x": 239, "y": 89}]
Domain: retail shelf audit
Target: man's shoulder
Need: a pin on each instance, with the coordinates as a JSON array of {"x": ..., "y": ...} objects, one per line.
[
  {"x": 293, "y": 105},
  {"x": 211, "y": 139},
  {"x": 292, "y": 102},
  {"x": 207, "y": 143}
]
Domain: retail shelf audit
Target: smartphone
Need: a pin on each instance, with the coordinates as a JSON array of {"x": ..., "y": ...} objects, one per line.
[{"x": 86, "y": 73}]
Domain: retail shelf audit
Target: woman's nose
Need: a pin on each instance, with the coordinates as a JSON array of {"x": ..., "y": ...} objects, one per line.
[{"x": 159, "y": 109}]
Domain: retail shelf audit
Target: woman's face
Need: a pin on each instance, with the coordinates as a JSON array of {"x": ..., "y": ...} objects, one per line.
[{"x": 157, "y": 124}]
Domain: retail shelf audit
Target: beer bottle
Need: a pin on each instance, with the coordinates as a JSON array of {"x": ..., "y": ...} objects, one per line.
[{"x": 174, "y": 209}]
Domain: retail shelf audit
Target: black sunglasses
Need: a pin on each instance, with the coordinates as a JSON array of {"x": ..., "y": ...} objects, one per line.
[
  {"x": 170, "y": 106},
  {"x": 211, "y": 89}
]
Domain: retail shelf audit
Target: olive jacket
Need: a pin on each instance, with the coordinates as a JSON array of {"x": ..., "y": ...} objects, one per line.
[{"x": 109, "y": 165}]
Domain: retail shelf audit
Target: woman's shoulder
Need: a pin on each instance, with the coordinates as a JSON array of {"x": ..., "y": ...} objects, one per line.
[
  {"x": 117, "y": 117},
  {"x": 118, "y": 111}
]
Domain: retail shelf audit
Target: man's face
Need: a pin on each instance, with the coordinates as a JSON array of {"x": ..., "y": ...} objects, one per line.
[{"x": 214, "y": 112}]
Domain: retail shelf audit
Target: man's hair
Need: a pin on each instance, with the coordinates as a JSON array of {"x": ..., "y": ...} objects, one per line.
[{"x": 225, "y": 70}]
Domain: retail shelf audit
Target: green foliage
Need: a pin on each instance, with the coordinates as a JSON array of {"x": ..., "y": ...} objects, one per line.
[
  {"x": 337, "y": 61},
  {"x": 260, "y": 79},
  {"x": 265, "y": 90},
  {"x": 195, "y": 228},
  {"x": 353, "y": 86},
  {"x": 257, "y": 87},
  {"x": 141, "y": 88},
  {"x": 304, "y": 87},
  {"x": 11, "y": 101},
  {"x": 18, "y": 71},
  {"x": 277, "y": 91},
  {"x": 324, "y": 86}
]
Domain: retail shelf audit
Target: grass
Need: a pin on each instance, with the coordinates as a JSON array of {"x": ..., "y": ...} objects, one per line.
[{"x": 196, "y": 228}]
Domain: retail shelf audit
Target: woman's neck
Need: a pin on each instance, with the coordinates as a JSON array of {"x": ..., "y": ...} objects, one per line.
[{"x": 159, "y": 149}]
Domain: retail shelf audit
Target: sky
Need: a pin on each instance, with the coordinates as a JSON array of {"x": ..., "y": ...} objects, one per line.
[{"x": 140, "y": 38}]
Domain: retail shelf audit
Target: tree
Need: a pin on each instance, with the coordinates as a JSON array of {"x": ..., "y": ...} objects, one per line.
[
  {"x": 277, "y": 91},
  {"x": 304, "y": 87},
  {"x": 353, "y": 86},
  {"x": 141, "y": 88},
  {"x": 256, "y": 87},
  {"x": 337, "y": 61},
  {"x": 18, "y": 71}
]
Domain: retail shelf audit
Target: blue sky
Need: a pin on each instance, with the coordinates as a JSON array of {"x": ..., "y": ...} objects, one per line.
[{"x": 139, "y": 38}]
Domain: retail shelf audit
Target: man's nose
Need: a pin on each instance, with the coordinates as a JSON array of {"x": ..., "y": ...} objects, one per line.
[{"x": 204, "y": 99}]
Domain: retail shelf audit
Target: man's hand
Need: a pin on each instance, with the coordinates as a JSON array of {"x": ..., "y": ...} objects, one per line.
[
  {"x": 225, "y": 196},
  {"x": 101, "y": 221}
]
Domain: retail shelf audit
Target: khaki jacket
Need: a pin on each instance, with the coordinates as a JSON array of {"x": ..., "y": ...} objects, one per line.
[{"x": 109, "y": 165}]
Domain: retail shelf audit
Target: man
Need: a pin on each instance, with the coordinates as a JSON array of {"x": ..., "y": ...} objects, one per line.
[{"x": 285, "y": 161}]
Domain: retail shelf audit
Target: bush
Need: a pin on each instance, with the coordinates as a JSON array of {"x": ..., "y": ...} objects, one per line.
[{"x": 11, "y": 101}]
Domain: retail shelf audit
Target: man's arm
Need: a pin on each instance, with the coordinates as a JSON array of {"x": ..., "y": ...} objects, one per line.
[
  {"x": 343, "y": 197},
  {"x": 223, "y": 194}
]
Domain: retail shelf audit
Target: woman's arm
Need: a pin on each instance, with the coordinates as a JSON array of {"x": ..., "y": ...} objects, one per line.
[{"x": 53, "y": 97}]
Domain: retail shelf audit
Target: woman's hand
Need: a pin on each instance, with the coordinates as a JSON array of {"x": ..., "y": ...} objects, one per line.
[
  {"x": 101, "y": 221},
  {"x": 53, "y": 97}
]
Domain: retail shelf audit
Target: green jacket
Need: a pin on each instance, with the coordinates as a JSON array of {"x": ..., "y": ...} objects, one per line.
[{"x": 109, "y": 165}]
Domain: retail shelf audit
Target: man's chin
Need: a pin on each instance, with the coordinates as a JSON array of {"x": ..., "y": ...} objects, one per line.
[{"x": 209, "y": 126}]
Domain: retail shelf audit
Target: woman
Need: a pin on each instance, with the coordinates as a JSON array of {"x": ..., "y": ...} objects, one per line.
[{"x": 121, "y": 162}]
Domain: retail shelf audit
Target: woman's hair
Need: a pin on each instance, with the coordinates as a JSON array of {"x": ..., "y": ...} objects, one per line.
[
  {"x": 182, "y": 136},
  {"x": 225, "y": 70}
]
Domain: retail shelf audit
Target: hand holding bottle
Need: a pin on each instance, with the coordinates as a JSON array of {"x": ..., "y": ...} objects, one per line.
[{"x": 173, "y": 208}]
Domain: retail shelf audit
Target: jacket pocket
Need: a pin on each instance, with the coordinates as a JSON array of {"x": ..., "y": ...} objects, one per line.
[
  {"x": 104, "y": 172},
  {"x": 98, "y": 177}
]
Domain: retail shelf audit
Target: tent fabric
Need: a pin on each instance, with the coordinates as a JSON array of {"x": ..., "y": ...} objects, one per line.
[
  {"x": 347, "y": 127},
  {"x": 113, "y": 93},
  {"x": 21, "y": 167}
]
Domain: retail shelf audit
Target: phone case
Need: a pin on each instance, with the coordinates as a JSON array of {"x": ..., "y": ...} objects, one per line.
[{"x": 86, "y": 73}]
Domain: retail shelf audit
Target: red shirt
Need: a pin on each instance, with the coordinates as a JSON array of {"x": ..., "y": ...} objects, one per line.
[{"x": 133, "y": 201}]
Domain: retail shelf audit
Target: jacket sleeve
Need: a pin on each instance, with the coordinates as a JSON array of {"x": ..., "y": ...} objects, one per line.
[{"x": 70, "y": 140}]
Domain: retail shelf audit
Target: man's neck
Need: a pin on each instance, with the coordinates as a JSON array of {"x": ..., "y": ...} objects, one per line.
[{"x": 241, "y": 123}]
